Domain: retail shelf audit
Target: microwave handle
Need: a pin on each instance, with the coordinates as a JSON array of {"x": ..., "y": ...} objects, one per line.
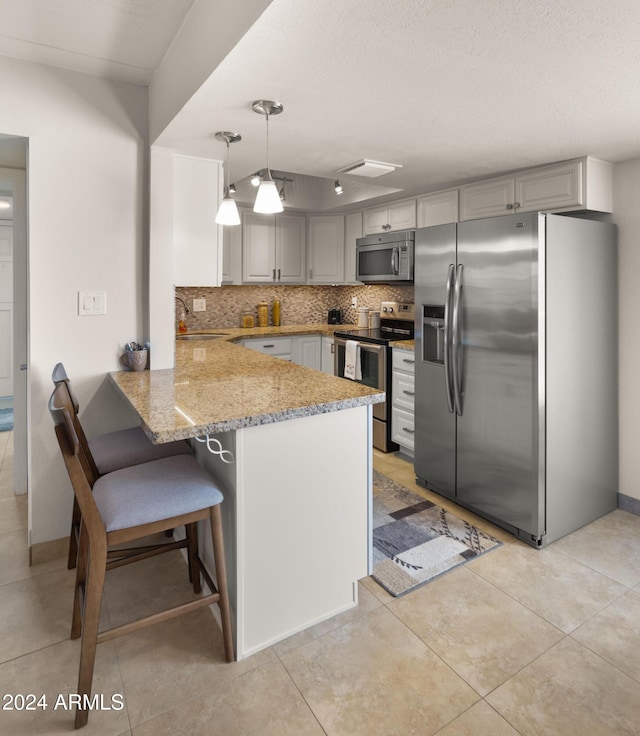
[{"x": 395, "y": 261}]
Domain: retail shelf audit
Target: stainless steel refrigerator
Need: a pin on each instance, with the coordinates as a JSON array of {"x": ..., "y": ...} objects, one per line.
[{"x": 516, "y": 370}]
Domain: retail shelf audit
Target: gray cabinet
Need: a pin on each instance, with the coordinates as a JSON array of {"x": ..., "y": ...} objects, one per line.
[
  {"x": 273, "y": 248},
  {"x": 325, "y": 250}
]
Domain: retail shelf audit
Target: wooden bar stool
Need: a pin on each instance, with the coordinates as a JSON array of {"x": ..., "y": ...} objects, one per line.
[
  {"x": 124, "y": 506},
  {"x": 111, "y": 451}
]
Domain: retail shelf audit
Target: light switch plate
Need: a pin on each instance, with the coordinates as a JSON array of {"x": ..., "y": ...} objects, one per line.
[
  {"x": 199, "y": 305},
  {"x": 92, "y": 303}
]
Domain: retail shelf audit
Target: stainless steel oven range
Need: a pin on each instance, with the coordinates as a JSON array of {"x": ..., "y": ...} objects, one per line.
[{"x": 374, "y": 349}]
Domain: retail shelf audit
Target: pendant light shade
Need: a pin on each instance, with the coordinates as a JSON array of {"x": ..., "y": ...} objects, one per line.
[
  {"x": 228, "y": 211},
  {"x": 268, "y": 200}
]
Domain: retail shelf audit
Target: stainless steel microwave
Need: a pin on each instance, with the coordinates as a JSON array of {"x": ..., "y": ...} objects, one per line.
[{"x": 385, "y": 258}]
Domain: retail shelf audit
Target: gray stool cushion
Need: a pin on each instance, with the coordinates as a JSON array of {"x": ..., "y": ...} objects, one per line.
[
  {"x": 128, "y": 447},
  {"x": 154, "y": 491}
]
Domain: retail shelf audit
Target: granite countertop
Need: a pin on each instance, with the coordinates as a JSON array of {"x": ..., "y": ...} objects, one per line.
[
  {"x": 404, "y": 344},
  {"x": 217, "y": 386}
]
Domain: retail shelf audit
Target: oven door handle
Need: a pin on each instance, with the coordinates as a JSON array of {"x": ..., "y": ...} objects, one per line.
[{"x": 366, "y": 347}]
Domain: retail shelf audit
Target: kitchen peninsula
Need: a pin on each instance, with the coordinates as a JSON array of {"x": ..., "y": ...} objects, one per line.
[{"x": 290, "y": 448}]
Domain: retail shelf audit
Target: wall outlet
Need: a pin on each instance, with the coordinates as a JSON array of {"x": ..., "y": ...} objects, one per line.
[
  {"x": 199, "y": 305},
  {"x": 354, "y": 301}
]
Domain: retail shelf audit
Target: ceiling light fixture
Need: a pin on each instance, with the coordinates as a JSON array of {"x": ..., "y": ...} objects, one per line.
[
  {"x": 338, "y": 187},
  {"x": 282, "y": 193},
  {"x": 228, "y": 210},
  {"x": 267, "y": 200},
  {"x": 255, "y": 179},
  {"x": 232, "y": 188}
]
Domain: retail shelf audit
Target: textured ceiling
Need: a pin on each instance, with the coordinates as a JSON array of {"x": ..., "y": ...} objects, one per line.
[
  {"x": 451, "y": 89},
  {"x": 125, "y": 39}
]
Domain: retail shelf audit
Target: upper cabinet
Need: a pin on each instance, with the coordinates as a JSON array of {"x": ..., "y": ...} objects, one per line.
[
  {"x": 352, "y": 231},
  {"x": 325, "y": 250},
  {"x": 197, "y": 186},
  {"x": 394, "y": 216},
  {"x": 273, "y": 248},
  {"x": 438, "y": 208},
  {"x": 579, "y": 184},
  {"x": 232, "y": 252}
]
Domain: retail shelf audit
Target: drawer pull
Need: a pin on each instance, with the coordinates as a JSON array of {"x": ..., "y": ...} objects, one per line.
[
  {"x": 409, "y": 393},
  {"x": 408, "y": 431},
  {"x": 408, "y": 360},
  {"x": 268, "y": 346}
]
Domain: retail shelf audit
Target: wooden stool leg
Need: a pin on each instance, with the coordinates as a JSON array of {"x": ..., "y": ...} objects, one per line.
[
  {"x": 221, "y": 579},
  {"x": 192, "y": 552},
  {"x": 81, "y": 580},
  {"x": 93, "y": 600},
  {"x": 73, "y": 536}
]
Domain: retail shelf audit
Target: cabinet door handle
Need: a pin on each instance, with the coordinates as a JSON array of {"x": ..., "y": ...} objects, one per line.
[
  {"x": 278, "y": 274},
  {"x": 274, "y": 274},
  {"x": 509, "y": 206},
  {"x": 409, "y": 393},
  {"x": 408, "y": 431}
]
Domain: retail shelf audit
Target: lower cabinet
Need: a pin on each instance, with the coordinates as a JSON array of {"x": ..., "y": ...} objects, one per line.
[
  {"x": 403, "y": 400},
  {"x": 326, "y": 361},
  {"x": 304, "y": 349}
]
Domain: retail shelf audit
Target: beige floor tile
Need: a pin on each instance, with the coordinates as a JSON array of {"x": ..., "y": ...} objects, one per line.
[
  {"x": 569, "y": 691},
  {"x": 367, "y": 602},
  {"x": 480, "y": 720},
  {"x": 375, "y": 676},
  {"x": 166, "y": 664},
  {"x": 614, "y": 634},
  {"x": 377, "y": 590},
  {"x": 616, "y": 555},
  {"x": 35, "y": 613},
  {"x": 553, "y": 585},
  {"x": 620, "y": 520},
  {"x": 148, "y": 586},
  {"x": 53, "y": 671},
  {"x": 14, "y": 555},
  {"x": 13, "y": 514},
  {"x": 505, "y": 635},
  {"x": 263, "y": 702},
  {"x": 6, "y": 483}
]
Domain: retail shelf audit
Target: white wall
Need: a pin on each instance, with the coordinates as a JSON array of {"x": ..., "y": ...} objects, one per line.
[
  {"x": 86, "y": 192},
  {"x": 626, "y": 200}
]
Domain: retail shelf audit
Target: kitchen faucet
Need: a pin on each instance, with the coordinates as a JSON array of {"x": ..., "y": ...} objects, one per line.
[{"x": 184, "y": 304}]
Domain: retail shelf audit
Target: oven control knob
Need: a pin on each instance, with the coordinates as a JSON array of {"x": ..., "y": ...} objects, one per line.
[
  {"x": 384, "y": 309},
  {"x": 391, "y": 309}
]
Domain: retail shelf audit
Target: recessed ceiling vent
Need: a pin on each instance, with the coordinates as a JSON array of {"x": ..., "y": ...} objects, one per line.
[{"x": 370, "y": 169}]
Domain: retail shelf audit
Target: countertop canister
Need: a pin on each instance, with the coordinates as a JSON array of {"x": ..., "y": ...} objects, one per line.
[
  {"x": 263, "y": 314},
  {"x": 275, "y": 313}
]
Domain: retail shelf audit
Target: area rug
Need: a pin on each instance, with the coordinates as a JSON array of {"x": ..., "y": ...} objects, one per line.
[
  {"x": 6, "y": 420},
  {"x": 415, "y": 540}
]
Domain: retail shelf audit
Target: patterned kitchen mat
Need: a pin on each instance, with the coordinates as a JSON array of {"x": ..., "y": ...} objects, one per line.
[{"x": 415, "y": 540}]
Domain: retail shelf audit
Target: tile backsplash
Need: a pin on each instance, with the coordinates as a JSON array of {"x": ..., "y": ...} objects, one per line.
[{"x": 225, "y": 305}]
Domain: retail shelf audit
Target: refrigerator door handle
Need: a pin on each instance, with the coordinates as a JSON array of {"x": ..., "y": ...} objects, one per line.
[
  {"x": 455, "y": 340},
  {"x": 447, "y": 339}
]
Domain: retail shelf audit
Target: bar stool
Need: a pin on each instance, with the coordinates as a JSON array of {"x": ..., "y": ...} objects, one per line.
[
  {"x": 127, "y": 505},
  {"x": 111, "y": 451}
]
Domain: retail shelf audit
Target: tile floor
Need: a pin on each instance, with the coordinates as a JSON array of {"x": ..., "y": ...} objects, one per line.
[{"x": 517, "y": 642}]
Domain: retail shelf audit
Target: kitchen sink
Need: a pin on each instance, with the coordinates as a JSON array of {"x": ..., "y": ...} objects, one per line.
[{"x": 208, "y": 336}]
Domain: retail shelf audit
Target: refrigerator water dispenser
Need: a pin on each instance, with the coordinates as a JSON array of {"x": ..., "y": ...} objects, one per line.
[{"x": 433, "y": 331}]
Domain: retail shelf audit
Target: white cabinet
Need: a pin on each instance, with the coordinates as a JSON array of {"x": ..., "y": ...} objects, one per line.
[
  {"x": 273, "y": 248},
  {"x": 395, "y": 216},
  {"x": 326, "y": 364},
  {"x": 437, "y": 208},
  {"x": 307, "y": 351},
  {"x": 197, "y": 186},
  {"x": 232, "y": 252},
  {"x": 325, "y": 250},
  {"x": 403, "y": 400},
  {"x": 352, "y": 231},
  {"x": 279, "y": 347},
  {"x": 584, "y": 183}
]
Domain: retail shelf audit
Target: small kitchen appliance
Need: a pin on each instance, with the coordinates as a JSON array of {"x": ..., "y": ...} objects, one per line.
[{"x": 335, "y": 316}]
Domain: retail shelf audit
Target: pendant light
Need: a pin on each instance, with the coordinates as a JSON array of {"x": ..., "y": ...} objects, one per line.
[
  {"x": 267, "y": 200},
  {"x": 228, "y": 210}
]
